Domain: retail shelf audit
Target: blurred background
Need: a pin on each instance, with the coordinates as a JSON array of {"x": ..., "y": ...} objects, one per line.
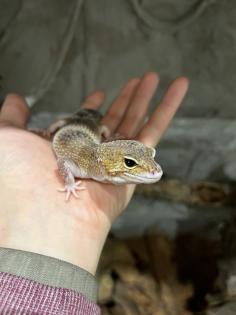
[{"x": 173, "y": 250}]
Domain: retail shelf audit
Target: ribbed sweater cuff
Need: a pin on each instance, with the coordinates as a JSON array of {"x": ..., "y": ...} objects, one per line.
[
  {"x": 23, "y": 296},
  {"x": 48, "y": 271}
]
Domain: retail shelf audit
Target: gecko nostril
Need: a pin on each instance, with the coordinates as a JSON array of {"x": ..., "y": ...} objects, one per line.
[{"x": 157, "y": 170}]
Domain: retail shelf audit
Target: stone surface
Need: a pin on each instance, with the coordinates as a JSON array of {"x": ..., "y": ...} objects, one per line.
[
  {"x": 171, "y": 218},
  {"x": 199, "y": 149}
]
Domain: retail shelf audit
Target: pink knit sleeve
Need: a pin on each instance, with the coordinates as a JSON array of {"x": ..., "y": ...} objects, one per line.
[{"x": 19, "y": 295}]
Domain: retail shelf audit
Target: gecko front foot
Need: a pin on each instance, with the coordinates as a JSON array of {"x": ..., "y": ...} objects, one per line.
[{"x": 71, "y": 189}]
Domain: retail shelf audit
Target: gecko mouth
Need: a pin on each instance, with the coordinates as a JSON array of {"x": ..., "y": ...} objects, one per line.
[{"x": 145, "y": 178}]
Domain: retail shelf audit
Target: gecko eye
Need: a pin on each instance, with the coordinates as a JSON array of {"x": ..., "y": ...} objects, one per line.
[{"x": 130, "y": 163}]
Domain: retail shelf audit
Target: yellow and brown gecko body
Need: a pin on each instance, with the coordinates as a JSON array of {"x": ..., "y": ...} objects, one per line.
[{"x": 81, "y": 154}]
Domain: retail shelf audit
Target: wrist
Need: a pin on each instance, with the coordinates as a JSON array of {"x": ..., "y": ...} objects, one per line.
[{"x": 72, "y": 238}]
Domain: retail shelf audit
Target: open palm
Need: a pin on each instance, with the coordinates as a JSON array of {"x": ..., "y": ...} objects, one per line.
[{"x": 34, "y": 209}]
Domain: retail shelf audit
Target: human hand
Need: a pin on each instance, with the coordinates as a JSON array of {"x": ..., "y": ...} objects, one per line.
[{"x": 34, "y": 216}]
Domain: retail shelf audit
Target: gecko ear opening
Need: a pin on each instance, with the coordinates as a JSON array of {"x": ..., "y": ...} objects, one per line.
[{"x": 153, "y": 152}]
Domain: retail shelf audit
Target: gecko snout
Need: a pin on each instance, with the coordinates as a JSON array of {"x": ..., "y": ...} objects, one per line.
[
  {"x": 156, "y": 169},
  {"x": 156, "y": 172}
]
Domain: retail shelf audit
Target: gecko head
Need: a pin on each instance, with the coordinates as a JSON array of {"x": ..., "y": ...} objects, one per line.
[{"x": 129, "y": 161}]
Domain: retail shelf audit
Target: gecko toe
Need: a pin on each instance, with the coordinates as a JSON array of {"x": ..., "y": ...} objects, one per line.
[
  {"x": 70, "y": 189},
  {"x": 61, "y": 189},
  {"x": 81, "y": 188},
  {"x": 68, "y": 195},
  {"x": 74, "y": 193}
]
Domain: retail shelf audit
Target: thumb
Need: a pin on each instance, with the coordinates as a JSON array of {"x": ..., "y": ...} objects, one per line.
[{"x": 14, "y": 112}]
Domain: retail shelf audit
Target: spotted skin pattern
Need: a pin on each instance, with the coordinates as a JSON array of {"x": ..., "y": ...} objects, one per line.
[{"x": 81, "y": 153}]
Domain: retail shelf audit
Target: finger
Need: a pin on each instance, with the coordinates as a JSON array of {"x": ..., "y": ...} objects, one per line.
[
  {"x": 94, "y": 100},
  {"x": 14, "y": 111},
  {"x": 136, "y": 112},
  {"x": 117, "y": 110},
  {"x": 161, "y": 118}
]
